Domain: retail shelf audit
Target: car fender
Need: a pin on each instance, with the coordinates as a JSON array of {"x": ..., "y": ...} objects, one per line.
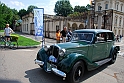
[
  {"x": 117, "y": 48},
  {"x": 68, "y": 62}
]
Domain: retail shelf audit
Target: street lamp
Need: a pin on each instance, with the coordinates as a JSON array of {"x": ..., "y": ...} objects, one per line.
[{"x": 93, "y": 12}]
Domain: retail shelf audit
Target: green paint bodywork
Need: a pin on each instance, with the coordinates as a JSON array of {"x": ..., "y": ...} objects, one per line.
[{"x": 78, "y": 50}]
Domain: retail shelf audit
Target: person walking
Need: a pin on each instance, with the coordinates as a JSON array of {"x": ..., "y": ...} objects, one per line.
[
  {"x": 63, "y": 34},
  {"x": 120, "y": 37},
  {"x": 69, "y": 34},
  {"x": 7, "y": 32},
  {"x": 58, "y": 35},
  {"x": 117, "y": 38}
]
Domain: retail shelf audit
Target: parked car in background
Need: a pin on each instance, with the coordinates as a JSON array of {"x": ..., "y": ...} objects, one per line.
[{"x": 87, "y": 50}]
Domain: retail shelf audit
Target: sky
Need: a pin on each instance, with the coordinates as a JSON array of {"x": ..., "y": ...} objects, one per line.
[{"x": 48, "y": 5}]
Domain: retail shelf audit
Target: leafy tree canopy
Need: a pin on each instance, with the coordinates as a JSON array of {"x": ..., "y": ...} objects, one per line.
[
  {"x": 80, "y": 9},
  {"x": 30, "y": 8},
  {"x": 22, "y": 12},
  {"x": 7, "y": 15},
  {"x": 63, "y": 8}
]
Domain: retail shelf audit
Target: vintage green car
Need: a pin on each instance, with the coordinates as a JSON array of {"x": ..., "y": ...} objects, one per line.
[{"x": 87, "y": 50}]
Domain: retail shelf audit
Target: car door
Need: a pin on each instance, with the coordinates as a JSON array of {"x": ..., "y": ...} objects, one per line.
[
  {"x": 99, "y": 47},
  {"x": 109, "y": 43}
]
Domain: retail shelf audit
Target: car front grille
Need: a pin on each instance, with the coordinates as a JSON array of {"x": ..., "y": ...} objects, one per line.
[{"x": 53, "y": 50}]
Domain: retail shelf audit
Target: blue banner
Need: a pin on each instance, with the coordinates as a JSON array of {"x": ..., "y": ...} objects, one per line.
[{"x": 38, "y": 21}]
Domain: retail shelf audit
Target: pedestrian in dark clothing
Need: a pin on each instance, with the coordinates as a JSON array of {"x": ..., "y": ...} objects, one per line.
[
  {"x": 117, "y": 38},
  {"x": 69, "y": 34},
  {"x": 120, "y": 37},
  {"x": 63, "y": 34}
]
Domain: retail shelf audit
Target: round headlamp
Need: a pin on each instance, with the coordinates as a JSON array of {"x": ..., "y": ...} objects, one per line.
[
  {"x": 46, "y": 47},
  {"x": 61, "y": 52}
]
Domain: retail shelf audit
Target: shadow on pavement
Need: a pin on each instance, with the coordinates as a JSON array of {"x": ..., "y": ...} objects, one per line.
[
  {"x": 38, "y": 75},
  {"x": 8, "y": 81}
]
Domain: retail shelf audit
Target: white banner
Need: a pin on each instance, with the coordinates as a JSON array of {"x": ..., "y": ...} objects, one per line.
[{"x": 38, "y": 23}]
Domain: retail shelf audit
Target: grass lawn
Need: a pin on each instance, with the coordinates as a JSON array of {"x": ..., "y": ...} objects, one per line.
[
  {"x": 1, "y": 30},
  {"x": 23, "y": 41}
]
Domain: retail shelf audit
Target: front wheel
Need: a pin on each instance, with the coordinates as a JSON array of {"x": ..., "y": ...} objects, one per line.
[{"x": 76, "y": 73}]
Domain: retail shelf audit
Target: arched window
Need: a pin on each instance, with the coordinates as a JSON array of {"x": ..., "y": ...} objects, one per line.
[
  {"x": 121, "y": 7},
  {"x": 99, "y": 6},
  {"x": 117, "y": 5},
  {"x": 106, "y": 4},
  {"x": 116, "y": 20},
  {"x": 120, "y": 21}
]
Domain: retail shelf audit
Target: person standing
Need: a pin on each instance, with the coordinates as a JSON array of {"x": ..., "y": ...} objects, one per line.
[
  {"x": 69, "y": 34},
  {"x": 58, "y": 35},
  {"x": 63, "y": 34},
  {"x": 120, "y": 37},
  {"x": 7, "y": 32}
]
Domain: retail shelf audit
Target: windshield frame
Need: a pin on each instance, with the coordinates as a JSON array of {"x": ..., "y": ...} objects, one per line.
[{"x": 82, "y": 33}]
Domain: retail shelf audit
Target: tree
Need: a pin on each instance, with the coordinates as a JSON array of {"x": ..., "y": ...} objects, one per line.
[
  {"x": 22, "y": 12},
  {"x": 80, "y": 9},
  {"x": 30, "y": 8},
  {"x": 7, "y": 15},
  {"x": 88, "y": 6},
  {"x": 63, "y": 8}
]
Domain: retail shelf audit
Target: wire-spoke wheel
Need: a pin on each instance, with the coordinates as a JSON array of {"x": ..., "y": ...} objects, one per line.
[{"x": 76, "y": 73}]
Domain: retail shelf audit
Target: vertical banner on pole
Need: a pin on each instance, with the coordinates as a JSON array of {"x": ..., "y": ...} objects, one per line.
[{"x": 38, "y": 24}]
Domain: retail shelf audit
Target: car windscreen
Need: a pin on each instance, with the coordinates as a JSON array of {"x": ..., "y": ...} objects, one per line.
[{"x": 86, "y": 37}]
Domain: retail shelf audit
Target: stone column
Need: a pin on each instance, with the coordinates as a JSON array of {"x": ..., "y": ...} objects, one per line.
[{"x": 99, "y": 19}]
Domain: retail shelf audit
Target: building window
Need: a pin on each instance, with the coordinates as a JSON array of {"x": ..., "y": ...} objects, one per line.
[
  {"x": 57, "y": 27},
  {"x": 120, "y": 22},
  {"x": 123, "y": 21},
  {"x": 117, "y": 7},
  {"x": 116, "y": 20},
  {"x": 106, "y": 6},
  {"x": 99, "y": 8},
  {"x": 27, "y": 27},
  {"x": 121, "y": 7}
]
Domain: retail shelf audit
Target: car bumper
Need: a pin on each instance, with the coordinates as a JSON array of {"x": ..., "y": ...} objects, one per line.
[{"x": 51, "y": 67}]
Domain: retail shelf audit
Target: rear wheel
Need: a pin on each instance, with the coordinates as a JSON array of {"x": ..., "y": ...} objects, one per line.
[
  {"x": 76, "y": 73},
  {"x": 114, "y": 56}
]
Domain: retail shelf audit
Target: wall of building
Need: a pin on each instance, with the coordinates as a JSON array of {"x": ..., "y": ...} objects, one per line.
[
  {"x": 50, "y": 25},
  {"x": 118, "y": 12}
]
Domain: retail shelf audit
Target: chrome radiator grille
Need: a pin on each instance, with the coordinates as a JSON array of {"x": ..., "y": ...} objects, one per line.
[{"x": 53, "y": 50}]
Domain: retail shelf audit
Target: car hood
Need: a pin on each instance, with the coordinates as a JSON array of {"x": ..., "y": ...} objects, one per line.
[{"x": 71, "y": 44}]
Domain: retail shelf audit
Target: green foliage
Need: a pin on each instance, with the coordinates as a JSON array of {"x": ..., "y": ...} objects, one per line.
[
  {"x": 78, "y": 15},
  {"x": 22, "y": 12},
  {"x": 63, "y": 8},
  {"x": 23, "y": 41},
  {"x": 88, "y": 6},
  {"x": 80, "y": 9},
  {"x": 7, "y": 15},
  {"x": 30, "y": 8}
]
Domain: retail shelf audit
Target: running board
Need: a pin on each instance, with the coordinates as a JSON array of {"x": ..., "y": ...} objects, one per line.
[{"x": 103, "y": 61}]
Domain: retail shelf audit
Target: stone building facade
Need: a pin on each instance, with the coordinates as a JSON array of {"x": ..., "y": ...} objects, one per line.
[
  {"x": 114, "y": 11},
  {"x": 51, "y": 24}
]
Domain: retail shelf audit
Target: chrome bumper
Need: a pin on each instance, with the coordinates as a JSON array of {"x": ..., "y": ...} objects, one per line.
[
  {"x": 58, "y": 72},
  {"x": 51, "y": 68},
  {"x": 39, "y": 62}
]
